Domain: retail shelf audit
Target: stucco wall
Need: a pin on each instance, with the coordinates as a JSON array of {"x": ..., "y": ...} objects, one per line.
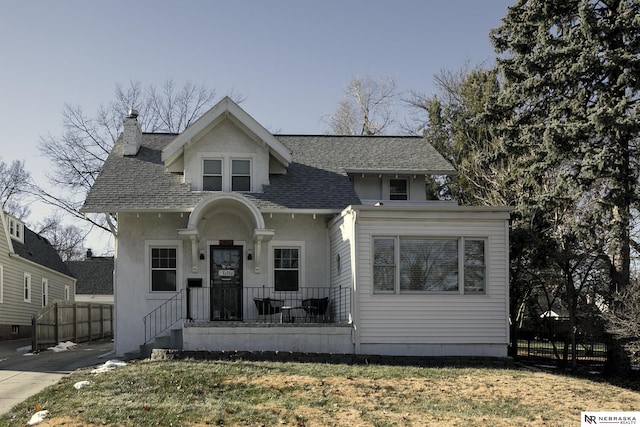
[
  {"x": 226, "y": 141},
  {"x": 133, "y": 297}
]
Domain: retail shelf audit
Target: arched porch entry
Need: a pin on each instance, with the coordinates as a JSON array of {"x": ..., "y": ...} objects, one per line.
[
  {"x": 226, "y": 216},
  {"x": 230, "y": 230}
]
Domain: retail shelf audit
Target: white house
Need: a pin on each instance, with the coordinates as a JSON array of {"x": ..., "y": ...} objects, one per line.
[
  {"x": 237, "y": 239},
  {"x": 32, "y": 275}
]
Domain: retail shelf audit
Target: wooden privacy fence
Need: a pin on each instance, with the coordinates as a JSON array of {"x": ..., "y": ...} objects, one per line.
[{"x": 77, "y": 322}]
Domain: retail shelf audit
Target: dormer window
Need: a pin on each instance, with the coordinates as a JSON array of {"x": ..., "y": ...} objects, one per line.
[
  {"x": 212, "y": 175},
  {"x": 398, "y": 189},
  {"x": 16, "y": 229},
  {"x": 240, "y": 175}
]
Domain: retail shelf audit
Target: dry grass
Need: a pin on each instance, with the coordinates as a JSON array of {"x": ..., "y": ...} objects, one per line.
[{"x": 187, "y": 393}]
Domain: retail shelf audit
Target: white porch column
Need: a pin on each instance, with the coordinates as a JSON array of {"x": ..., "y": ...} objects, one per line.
[
  {"x": 193, "y": 235},
  {"x": 259, "y": 236}
]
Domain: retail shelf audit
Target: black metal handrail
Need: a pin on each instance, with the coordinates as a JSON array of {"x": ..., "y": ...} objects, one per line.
[
  {"x": 165, "y": 315},
  {"x": 207, "y": 304},
  {"x": 219, "y": 304}
]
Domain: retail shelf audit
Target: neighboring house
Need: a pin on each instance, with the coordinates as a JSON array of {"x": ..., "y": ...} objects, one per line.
[
  {"x": 335, "y": 230},
  {"x": 32, "y": 275},
  {"x": 94, "y": 277}
]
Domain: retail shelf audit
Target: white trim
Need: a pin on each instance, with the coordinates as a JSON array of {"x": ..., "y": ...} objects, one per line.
[
  {"x": 285, "y": 244},
  {"x": 26, "y": 286},
  {"x": 45, "y": 291},
  {"x": 461, "y": 263},
  {"x": 16, "y": 229},
  {"x": 204, "y": 204},
  {"x": 170, "y": 244},
  {"x": 202, "y": 174},
  {"x": 1, "y": 283},
  {"x": 226, "y": 108}
]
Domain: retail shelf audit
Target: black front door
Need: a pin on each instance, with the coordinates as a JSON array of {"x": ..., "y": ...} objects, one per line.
[{"x": 226, "y": 282}]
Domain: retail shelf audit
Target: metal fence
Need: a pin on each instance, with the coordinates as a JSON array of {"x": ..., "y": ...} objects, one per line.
[
  {"x": 557, "y": 349},
  {"x": 77, "y": 322},
  {"x": 251, "y": 305}
]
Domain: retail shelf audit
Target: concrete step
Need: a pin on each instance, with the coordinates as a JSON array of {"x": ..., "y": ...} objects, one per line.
[
  {"x": 175, "y": 339},
  {"x": 145, "y": 350},
  {"x": 162, "y": 342}
]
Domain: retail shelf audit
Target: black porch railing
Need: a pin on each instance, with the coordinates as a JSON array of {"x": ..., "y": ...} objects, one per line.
[{"x": 261, "y": 304}]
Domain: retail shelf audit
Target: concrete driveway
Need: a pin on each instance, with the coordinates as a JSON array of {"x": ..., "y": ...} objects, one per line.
[{"x": 23, "y": 375}]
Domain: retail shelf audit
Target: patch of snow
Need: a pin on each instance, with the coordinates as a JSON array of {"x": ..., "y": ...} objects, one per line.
[
  {"x": 38, "y": 417},
  {"x": 63, "y": 346},
  {"x": 23, "y": 349},
  {"x": 31, "y": 353},
  {"x": 108, "y": 366},
  {"x": 81, "y": 384},
  {"x": 2, "y": 360}
]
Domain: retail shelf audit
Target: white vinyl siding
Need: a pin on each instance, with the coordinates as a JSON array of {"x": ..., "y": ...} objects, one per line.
[{"x": 425, "y": 318}]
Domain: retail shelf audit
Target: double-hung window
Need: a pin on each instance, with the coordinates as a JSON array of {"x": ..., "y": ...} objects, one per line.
[
  {"x": 399, "y": 189},
  {"x": 384, "y": 265},
  {"x": 212, "y": 175},
  {"x": 164, "y": 269},
  {"x": 240, "y": 175},
  {"x": 474, "y": 266},
  {"x": 286, "y": 269},
  {"x": 27, "y": 287},
  {"x": 428, "y": 265},
  {"x": 45, "y": 292}
]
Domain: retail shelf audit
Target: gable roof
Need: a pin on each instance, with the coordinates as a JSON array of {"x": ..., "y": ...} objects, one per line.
[
  {"x": 141, "y": 183},
  {"x": 38, "y": 250},
  {"x": 94, "y": 275},
  {"x": 317, "y": 168},
  {"x": 226, "y": 108}
]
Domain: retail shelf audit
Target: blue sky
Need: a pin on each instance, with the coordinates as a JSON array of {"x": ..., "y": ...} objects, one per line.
[{"x": 290, "y": 59}]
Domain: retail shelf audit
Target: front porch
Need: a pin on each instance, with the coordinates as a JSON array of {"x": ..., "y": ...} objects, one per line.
[{"x": 311, "y": 319}]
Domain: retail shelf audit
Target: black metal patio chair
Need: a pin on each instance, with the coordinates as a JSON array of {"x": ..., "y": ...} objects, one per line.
[
  {"x": 268, "y": 307},
  {"x": 316, "y": 308}
]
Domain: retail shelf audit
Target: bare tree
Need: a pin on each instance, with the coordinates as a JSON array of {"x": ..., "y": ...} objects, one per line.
[
  {"x": 68, "y": 240},
  {"x": 366, "y": 109},
  {"x": 623, "y": 320},
  {"x": 80, "y": 152},
  {"x": 15, "y": 183}
]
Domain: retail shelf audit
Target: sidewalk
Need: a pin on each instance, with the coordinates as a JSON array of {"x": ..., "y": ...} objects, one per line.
[{"x": 23, "y": 374}]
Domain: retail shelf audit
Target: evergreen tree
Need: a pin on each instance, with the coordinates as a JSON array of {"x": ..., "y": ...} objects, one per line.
[{"x": 568, "y": 119}]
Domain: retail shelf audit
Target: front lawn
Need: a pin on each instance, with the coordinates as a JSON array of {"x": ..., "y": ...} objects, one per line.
[{"x": 242, "y": 393}]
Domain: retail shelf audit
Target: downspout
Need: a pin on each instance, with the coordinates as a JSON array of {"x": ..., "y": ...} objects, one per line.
[
  {"x": 507, "y": 230},
  {"x": 355, "y": 321},
  {"x": 114, "y": 319}
]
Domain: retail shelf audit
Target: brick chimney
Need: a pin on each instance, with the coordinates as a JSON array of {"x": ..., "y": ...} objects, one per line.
[{"x": 132, "y": 134}]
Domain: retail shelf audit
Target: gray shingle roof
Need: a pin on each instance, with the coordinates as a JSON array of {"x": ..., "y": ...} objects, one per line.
[
  {"x": 367, "y": 153},
  {"x": 94, "y": 275},
  {"x": 316, "y": 178},
  {"x": 38, "y": 249}
]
